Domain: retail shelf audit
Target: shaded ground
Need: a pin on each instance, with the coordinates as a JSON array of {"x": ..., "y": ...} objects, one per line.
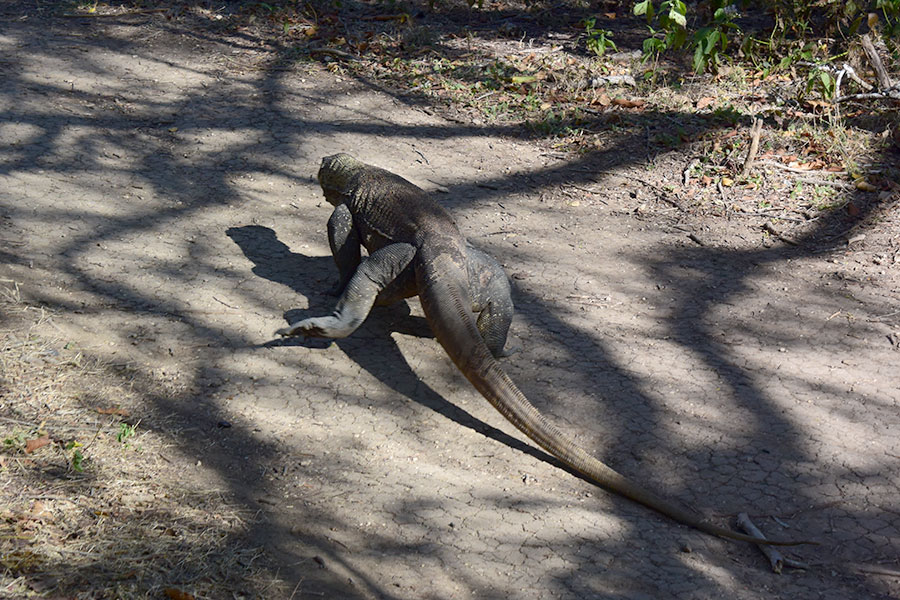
[{"x": 156, "y": 195}]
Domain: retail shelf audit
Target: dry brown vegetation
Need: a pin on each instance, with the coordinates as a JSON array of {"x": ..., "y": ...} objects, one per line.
[{"x": 90, "y": 506}]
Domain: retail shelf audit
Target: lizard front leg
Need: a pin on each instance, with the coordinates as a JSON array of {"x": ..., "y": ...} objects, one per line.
[
  {"x": 344, "y": 241},
  {"x": 373, "y": 275}
]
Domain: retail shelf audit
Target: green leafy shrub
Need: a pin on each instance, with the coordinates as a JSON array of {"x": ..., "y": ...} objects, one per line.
[{"x": 598, "y": 40}]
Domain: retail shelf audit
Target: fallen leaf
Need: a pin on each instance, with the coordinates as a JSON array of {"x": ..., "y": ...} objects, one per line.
[
  {"x": 818, "y": 105},
  {"x": 38, "y": 510},
  {"x": 604, "y": 99},
  {"x": 813, "y": 165},
  {"x": 32, "y": 445},
  {"x": 704, "y": 102},
  {"x": 864, "y": 186},
  {"x": 727, "y": 181},
  {"x": 627, "y": 103},
  {"x": 852, "y": 210},
  {"x": 173, "y": 594}
]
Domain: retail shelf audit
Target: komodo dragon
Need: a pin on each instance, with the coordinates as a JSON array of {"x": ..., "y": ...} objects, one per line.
[{"x": 414, "y": 248}]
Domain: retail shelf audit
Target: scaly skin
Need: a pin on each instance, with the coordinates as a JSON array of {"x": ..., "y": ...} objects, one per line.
[{"x": 416, "y": 248}]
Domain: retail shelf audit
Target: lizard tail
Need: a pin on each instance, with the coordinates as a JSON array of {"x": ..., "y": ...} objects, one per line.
[{"x": 451, "y": 318}]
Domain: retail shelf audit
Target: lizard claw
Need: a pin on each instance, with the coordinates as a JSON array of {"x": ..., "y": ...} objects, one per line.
[{"x": 306, "y": 328}]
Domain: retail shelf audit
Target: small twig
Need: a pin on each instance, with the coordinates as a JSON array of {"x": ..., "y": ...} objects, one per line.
[
  {"x": 542, "y": 49},
  {"x": 224, "y": 303},
  {"x": 499, "y": 232},
  {"x": 696, "y": 239},
  {"x": 586, "y": 300},
  {"x": 332, "y": 52},
  {"x": 770, "y": 216},
  {"x": 815, "y": 181},
  {"x": 396, "y": 17},
  {"x": 838, "y": 80},
  {"x": 878, "y": 571},
  {"x": 851, "y": 73},
  {"x": 144, "y": 11},
  {"x": 686, "y": 174},
  {"x": 771, "y": 229},
  {"x": 889, "y": 95},
  {"x": 296, "y": 587},
  {"x": 674, "y": 202},
  {"x": 878, "y": 318},
  {"x": 772, "y": 163},
  {"x": 776, "y": 560},
  {"x": 587, "y": 191},
  {"x": 755, "y": 132}
]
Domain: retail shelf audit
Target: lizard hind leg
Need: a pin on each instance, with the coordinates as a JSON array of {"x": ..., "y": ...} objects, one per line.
[
  {"x": 373, "y": 275},
  {"x": 491, "y": 299},
  {"x": 493, "y": 324}
]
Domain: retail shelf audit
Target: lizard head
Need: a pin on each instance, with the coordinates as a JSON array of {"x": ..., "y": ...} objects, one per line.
[{"x": 335, "y": 174}]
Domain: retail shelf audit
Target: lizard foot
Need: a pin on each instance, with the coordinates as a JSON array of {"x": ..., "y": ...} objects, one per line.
[
  {"x": 323, "y": 327},
  {"x": 304, "y": 328},
  {"x": 507, "y": 352}
]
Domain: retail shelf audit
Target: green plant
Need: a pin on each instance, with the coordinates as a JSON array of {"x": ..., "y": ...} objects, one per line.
[
  {"x": 821, "y": 79},
  {"x": 14, "y": 441},
  {"x": 598, "y": 40},
  {"x": 795, "y": 21},
  {"x": 710, "y": 42},
  {"x": 126, "y": 431},
  {"x": 672, "y": 21},
  {"x": 76, "y": 459}
]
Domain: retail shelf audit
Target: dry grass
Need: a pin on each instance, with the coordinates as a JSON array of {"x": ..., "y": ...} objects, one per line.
[{"x": 90, "y": 507}]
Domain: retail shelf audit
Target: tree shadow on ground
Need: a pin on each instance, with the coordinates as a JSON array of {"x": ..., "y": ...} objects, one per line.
[{"x": 262, "y": 247}]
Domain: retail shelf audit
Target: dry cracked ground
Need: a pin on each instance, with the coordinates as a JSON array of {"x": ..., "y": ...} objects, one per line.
[{"x": 157, "y": 198}]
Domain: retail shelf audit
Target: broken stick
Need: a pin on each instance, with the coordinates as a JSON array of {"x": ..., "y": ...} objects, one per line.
[
  {"x": 884, "y": 80},
  {"x": 755, "y": 132},
  {"x": 774, "y": 556}
]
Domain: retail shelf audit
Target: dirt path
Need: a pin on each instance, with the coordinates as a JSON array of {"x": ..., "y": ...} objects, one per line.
[{"x": 157, "y": 193}]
